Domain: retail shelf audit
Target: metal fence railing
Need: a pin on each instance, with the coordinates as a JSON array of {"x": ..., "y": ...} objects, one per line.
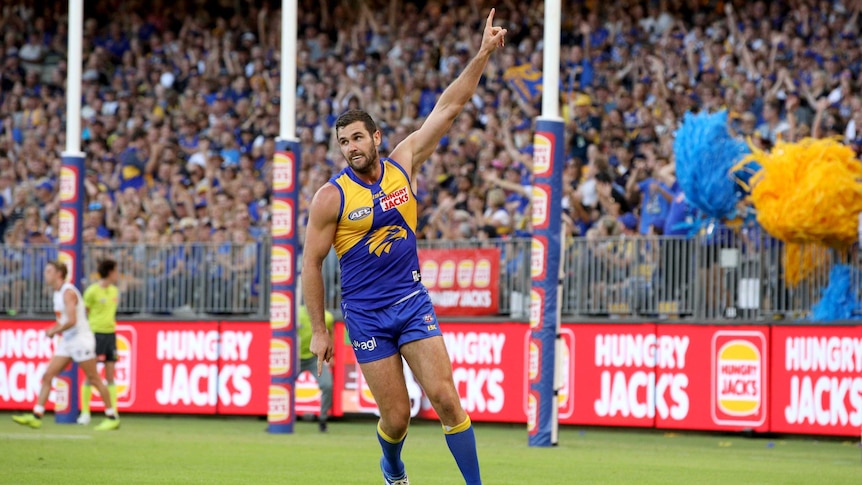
[
  {"x": 716, "y": 277},
  {"x": 218, "y": 279},
  {"x": 726, "y": 275}
]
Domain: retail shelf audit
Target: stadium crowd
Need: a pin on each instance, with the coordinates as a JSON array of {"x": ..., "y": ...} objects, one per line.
[{"x": 181, "y": 101}]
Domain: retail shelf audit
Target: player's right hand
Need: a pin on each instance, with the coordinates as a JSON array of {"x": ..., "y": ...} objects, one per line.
[{"x": 321, "y": 346}]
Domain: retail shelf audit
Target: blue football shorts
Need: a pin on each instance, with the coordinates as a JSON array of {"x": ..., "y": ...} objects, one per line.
[{"x": 377, "y": 334}]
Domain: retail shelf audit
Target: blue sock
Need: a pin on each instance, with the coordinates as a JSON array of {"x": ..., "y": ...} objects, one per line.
[
  {"x": 392, "y": 464},
  {"x": 462, "y": 444}
]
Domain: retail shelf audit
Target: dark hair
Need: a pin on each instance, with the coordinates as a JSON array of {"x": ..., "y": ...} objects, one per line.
[
  {"x": 106, "y": 266},
  {"x": 60, "y": 267},
  {"x": 354, "y": 115}
]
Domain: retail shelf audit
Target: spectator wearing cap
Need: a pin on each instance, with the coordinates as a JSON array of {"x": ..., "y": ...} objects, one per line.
[
  {"x": 45, "y": 197},
  {"x": 629, "y": 223}
]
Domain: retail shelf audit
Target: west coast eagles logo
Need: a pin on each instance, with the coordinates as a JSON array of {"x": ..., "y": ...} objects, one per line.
[{"x": 382, "y": 239}]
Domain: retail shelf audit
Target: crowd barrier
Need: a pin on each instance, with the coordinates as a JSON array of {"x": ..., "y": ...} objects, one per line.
[
  {"x": 739, "y": 275},
  {"x": 777, "y": 378}
]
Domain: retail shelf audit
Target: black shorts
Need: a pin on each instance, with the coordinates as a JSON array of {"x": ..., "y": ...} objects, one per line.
[{"x": 106, "y": 345}]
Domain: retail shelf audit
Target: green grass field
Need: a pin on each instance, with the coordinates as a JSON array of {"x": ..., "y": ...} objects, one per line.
[{"x": 181, "y": 449}]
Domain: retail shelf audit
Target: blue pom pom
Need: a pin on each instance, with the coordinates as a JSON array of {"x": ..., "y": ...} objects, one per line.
[
  {"x": 839, "y": 301},
  {"x": 705, "y": 154}
]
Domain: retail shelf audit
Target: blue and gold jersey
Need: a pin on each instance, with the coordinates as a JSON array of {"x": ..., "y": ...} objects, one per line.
[{"x": 376, "y": 238}]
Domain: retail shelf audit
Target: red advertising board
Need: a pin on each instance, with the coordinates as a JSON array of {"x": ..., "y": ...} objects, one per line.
[
  {"x": 244, "y": 362},
  {"x": 785, "y": 379},
  {"x": 488, "y": 363},
  {"x": 711, "y": 377},
  {"x": 176, "y": 367},
  {"x": 462, "y": 281},
  {"x": 24, "y": 355},
  {"x": 670, "y": 376},
  {"x": 613, "y": 375},
  {"x": 816, "y": 380}
]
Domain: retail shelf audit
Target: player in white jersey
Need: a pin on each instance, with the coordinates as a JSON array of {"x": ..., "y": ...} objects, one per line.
[{"x": 76, "y": 342}]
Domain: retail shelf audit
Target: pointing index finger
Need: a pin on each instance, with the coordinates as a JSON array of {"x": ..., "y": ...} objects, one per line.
[
  {"x": 490, "y": 22},
  {"x": 319, "y": 365}
]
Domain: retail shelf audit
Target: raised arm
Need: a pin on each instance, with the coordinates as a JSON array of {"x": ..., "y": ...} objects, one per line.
[
  {"x": 319, "y": 236},
  {"x": 417, "y": 147}
]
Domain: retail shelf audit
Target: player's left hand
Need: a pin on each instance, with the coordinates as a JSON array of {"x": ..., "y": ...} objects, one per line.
[{"x": 494, "y": 37}]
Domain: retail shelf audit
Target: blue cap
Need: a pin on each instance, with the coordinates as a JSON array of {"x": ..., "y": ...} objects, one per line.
[
  {"x": 47, "y": 185},
  {"x": 629, "y": 220},
  {"x": 95, "y": 206}
]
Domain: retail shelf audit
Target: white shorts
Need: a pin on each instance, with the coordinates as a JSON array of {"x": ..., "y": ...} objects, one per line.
[{"x": 80, "y": 348}]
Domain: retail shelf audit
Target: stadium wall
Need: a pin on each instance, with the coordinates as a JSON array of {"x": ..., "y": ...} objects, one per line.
[{"x": 777, "y": 378}]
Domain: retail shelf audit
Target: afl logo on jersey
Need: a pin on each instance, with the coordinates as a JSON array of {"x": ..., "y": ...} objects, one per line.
[{"x": 360, "y": 213}]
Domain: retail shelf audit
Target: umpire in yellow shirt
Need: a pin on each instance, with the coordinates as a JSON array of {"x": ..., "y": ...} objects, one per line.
[
  {"x": 101, "y": 299},
  {"x": 308, "y": 362}
]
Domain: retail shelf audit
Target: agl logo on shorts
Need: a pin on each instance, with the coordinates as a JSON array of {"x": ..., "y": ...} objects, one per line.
[
  {"x": 739, "y": 378},
  {"x": 367, "y": 345}
]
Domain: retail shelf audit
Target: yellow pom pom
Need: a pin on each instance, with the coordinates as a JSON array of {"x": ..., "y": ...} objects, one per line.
[{"x": 810, "y": 191}]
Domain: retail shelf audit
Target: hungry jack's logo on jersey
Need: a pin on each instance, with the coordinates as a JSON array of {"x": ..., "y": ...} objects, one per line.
[
  {"x": 382, "y": 239},
  {"x": 738, "y": 378},
  {"x": 393, "y": 200}
]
